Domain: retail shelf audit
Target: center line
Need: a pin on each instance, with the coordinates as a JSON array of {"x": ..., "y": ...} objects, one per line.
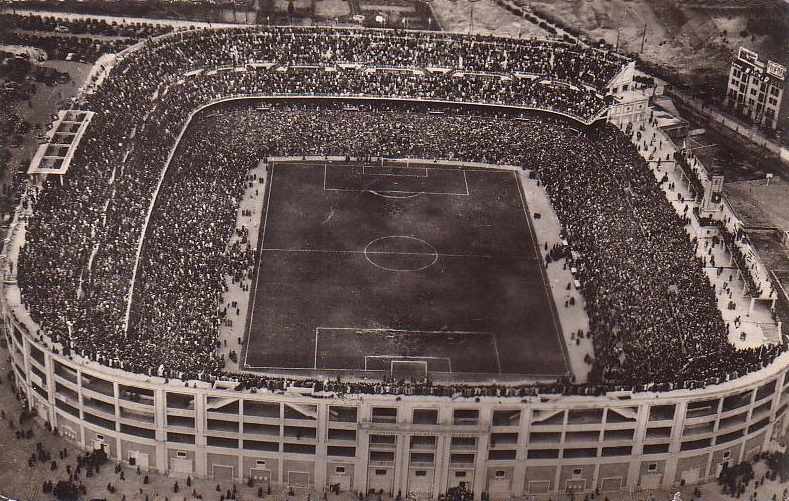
[{"x": 326, "y": 251}]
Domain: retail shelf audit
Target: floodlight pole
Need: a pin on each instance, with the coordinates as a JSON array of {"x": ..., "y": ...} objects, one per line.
[
  {"x": 643, "y": 39},
  {"x": 471, "y": 17}
]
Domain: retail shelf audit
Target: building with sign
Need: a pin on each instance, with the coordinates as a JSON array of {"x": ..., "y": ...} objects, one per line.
[{"x": 755, "y": 88}]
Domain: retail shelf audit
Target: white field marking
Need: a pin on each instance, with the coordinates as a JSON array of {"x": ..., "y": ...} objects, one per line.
[
  {"x": 465, "y": 180},
  {"x": 327, "y": 251},
  {"x": 268, "y": 201},
  {"x": 380, "y": 329},
  {"x": 402, "y": 270},
  {"x": 496, "y": 349},
  {"x": 433, "y": 253},
  {"x": 382, "y": 192},
  {"x": 269, "y": 178},
  {"x": 428, "y": 167},
  {"x": 315, "y": 362},
  {"x": 364, "y": 171},
  {"x": 546, "y": 283},
  {"x": 357, "y": 190},
  {"x": 361, "y": 329},
  {"x": 412, "y": 195},
  {"x": 532, "y": 231},
  {"x": 421, "y": 363},
  {"x": 408, "y": 357}
]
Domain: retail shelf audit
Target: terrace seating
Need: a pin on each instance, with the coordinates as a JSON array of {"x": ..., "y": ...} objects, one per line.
[{"x": 101, "y": 209}]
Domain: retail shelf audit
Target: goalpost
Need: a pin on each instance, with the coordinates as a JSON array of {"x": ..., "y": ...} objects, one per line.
[{"x": 404, "y": 369}]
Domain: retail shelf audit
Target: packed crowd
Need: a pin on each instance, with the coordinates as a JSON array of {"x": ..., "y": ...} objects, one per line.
[
  {"x": 316, "y": 82},
  {"x": 179, "y": 287},
  {"x": 651, "y": 308},
  {"x": 330, "y": 46},
  {"x": 76, "y": 268}
]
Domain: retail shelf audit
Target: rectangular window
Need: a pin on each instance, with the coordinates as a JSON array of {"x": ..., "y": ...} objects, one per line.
[
  {"x": 661, "y": 412},
  {"x": 425, "y": 416},
  {"x": 258, "y": 445},
  {"x": 341, "y": 451},
  {"x": 656, "y": 449},
  {"x": 543, "y": 453},
  {"x": 184, "y": 438},
  {"x": 652, "y": 467},
  {"x": 342, "y": 414},
  {"x": 299, "y": 448},
  {"x": 695, "y": 444},
  {"x": 500, "y": 473},
  {"x": 380, "y": 472},
  {"x": 466, "y": 416},
  {"x": 617, "y": 451},
  {"x": 339, "y": 469},
  {"x": 229, "y": 443},
  {"x": 182, "y": 454},
  {"x": 384, "y": 415},
  {"x": 420, "y": 473},
  {"x": 501, "y": 455}
]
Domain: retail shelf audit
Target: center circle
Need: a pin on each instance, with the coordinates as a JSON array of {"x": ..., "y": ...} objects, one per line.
[{"x": 400, "y": 253}]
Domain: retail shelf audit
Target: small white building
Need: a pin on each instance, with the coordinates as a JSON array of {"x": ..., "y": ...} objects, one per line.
[{"x": 629, "y": 107}]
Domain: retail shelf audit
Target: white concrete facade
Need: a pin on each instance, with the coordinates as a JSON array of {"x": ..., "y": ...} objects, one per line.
[{"x": 422, "y": 445}]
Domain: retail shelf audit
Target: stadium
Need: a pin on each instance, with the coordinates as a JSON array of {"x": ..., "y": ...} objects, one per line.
[{"x": 398, "y": 262}]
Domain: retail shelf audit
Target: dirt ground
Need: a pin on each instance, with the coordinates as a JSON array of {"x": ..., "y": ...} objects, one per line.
[
  {"x": 760, "y": 204},
  {"x": 329, "y": 9},
  {"x": 686, "y": 39},
  {"x": 455, "y": 15}
]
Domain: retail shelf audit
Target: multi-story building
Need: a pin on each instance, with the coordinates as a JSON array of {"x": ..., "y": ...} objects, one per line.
[{"x": 755, "y": 88}]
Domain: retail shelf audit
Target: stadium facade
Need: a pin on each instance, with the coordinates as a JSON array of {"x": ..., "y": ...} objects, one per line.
[
  {"x": 421, "y": 445},
  {"x": 548, "y": 444}
]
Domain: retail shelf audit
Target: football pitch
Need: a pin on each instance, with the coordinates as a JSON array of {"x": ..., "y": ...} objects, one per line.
[{"x": 402, "y": 269}]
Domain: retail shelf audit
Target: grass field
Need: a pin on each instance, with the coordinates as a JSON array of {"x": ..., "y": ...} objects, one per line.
[{"x": 364, "y": 266}]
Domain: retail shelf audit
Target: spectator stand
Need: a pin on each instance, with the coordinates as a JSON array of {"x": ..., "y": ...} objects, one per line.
[
  {"x": 722, "y": 223},
  {"x": 162, "y": 120}
]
